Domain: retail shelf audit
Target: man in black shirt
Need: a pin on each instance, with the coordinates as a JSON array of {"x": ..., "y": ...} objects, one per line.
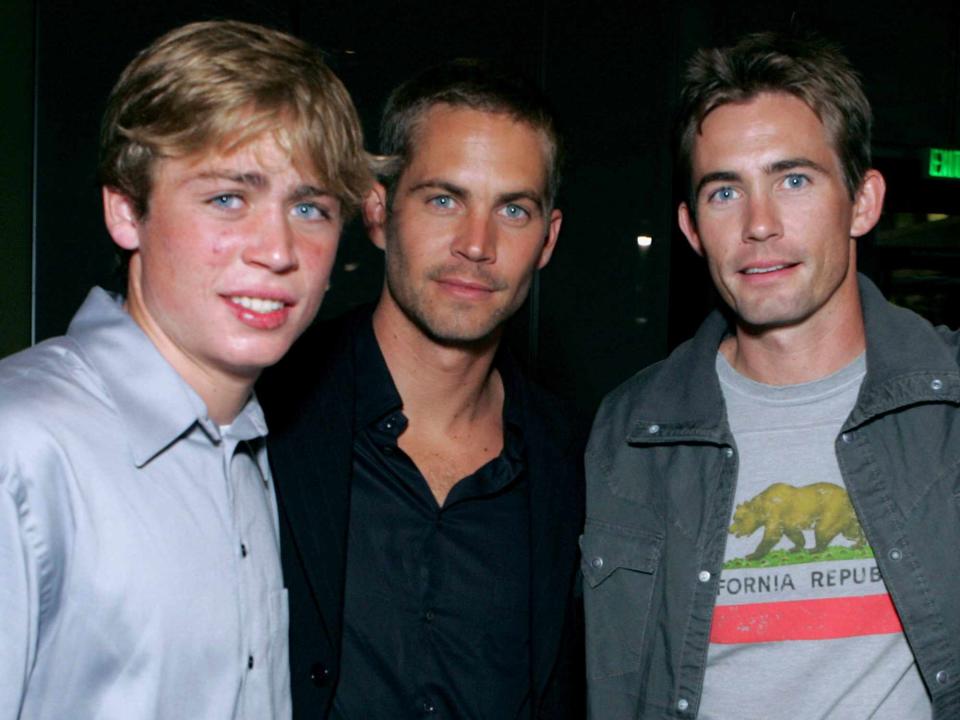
[{"x": 431, "y": 498}]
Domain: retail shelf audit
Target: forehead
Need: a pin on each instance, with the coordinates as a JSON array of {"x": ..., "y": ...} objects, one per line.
[
  {"x": 463, "y": 139},
  {"x": 766, "y": 128},
  {"x": 268, "y": 154}
]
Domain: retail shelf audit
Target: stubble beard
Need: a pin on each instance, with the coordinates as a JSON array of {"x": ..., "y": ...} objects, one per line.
[{"x": 456, "y": 324}]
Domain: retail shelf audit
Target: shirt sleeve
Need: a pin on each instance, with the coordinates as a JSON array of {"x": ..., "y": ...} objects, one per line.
[{"x": 19, "y": 604}]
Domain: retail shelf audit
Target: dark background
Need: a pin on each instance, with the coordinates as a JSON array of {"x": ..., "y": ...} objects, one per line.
[{"x": 603, "y": 308}]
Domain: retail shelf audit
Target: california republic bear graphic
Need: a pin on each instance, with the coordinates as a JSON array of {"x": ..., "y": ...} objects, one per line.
[{"x": 783, "y": 509}]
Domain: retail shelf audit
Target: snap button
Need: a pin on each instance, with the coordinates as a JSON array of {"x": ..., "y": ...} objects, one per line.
[
  {"x": 942, "y": 677},
  {"x": 682, "y": 704},
  {"x": 936, "y": 384},
  {"x": 846, "y": 437},
  {"x": 653, "y": 429},
  {"x": 728, "y": 452},
  {"x": 597, "y": 562},
  {"x": 704, "y": 576},
  {"x": 895, "y": 554}
]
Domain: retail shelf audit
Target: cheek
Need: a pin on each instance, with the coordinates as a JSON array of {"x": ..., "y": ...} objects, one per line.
[{"x": 317, "y": 261}]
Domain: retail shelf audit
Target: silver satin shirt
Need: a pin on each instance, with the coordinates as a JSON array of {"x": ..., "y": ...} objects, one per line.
[{"x": 139, "y": 552}]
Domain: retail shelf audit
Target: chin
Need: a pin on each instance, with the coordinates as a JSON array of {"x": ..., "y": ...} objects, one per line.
[{"x": 458, "y": 333}]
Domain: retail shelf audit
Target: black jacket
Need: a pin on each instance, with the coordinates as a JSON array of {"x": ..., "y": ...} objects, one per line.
[{"x": 309, "y": 402}]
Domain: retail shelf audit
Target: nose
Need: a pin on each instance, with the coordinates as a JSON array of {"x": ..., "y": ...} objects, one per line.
[
  {"x": 272, "y": 245},
  {"x": 763, "y": 221},
  {"x": 476, "y": 240}
]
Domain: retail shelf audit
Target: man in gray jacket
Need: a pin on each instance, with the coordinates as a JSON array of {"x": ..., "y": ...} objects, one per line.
[{"x": 772, "y": 526}]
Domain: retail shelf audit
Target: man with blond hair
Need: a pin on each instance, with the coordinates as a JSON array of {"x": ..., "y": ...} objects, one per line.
[{"x": 139, "y": 566}]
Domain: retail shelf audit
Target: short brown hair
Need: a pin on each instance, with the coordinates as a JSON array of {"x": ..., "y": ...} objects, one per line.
[
  {"x": 466, "y": 83},
  {"x": 806, "y": 67},
  {"x": 219, "y": 84}
]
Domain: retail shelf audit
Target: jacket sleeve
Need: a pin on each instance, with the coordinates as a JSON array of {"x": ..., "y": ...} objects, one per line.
[{"x": 19, "y": 595}]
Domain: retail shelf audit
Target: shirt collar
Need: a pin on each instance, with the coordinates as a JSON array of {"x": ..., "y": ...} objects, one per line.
[
  {"x": 155, "y": 404},
  {"x": 381, "y": 398}
]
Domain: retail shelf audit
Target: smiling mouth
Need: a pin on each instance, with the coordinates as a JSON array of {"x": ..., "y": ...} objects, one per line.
[
  {"x": 261, "y": 306},
  {"x": 465, "y": 285},
  {"x": 765, "y": 270}
]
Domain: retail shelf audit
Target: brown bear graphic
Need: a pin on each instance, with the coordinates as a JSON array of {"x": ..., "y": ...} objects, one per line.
[{"x": 783, "y": 509}]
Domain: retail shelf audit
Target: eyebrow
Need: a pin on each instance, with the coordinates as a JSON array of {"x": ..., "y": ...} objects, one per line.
[
  {"x": 461, "y": 192},
  {"x": 772, "y": 169},
  {"x": 259, "y": 181},
  {"x": 309, "y": 191},
  {"x": 253, "y": 179}
]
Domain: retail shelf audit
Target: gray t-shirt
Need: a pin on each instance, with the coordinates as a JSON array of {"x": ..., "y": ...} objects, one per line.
[{"x": 803, "y": 625}]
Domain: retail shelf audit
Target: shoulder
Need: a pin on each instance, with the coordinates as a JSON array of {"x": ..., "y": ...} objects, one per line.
[
  {"x": 52, "y": 405},
  {"x": 551, "y": 417},
  {"x": 47, "y": 385},
  {"x": 622, "y": 408},
  {"x": 320, "y": 362}
]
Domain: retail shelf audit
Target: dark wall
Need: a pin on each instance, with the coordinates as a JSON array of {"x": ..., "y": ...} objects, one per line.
[
  {"x": 16, "y": 149},
  {"x": 603, "y": 308}
]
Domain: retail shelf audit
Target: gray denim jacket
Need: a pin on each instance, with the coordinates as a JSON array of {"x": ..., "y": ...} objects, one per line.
[{"x": 661, "y": 471}]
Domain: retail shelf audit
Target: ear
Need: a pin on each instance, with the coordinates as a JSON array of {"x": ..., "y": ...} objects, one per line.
[
  {"x": 688, "y": 227},
  {"x": 120, "y": 217},
  {"x": 868, "y": 203},
  {"x": 374, "y": 210},
  {"x": 550, "y": 241}
]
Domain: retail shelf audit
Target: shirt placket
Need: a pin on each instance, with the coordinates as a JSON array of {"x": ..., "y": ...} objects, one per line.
[{"x": 259, "y": 574}]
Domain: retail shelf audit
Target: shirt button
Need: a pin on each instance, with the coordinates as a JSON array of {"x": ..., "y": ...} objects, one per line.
[
  {"x": 682, "y": 704},
  {"x": 597, "y": 562},
  {"x": 942, "y": 677},
  {"x": 243, "y": 550},
  {"x": 895, "y": 554},
  {"x": 249, "y": 662},
  {"x": 319, "y": 674},
  {"x": 704, "y": 576},
  {"x": 653, "y": 429},
  {"x": 728, "y": 452},
  {"x": 429, "y": 615},
  {"x": 428, "y": 707},
  {"x": 936, "y": 384}
]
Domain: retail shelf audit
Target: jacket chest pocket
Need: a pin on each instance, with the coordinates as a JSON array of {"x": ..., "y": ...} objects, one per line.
[{"x": 618, "y": 566}]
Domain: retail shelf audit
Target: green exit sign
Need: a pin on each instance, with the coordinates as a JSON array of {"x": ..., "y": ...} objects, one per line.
[{"x": 944, "y": 163}]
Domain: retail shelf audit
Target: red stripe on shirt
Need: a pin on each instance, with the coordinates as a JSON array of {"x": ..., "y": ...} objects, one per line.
[{"x": 805, "y": 620}]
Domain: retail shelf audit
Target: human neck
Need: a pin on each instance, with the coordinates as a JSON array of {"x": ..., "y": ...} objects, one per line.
[
  {"x": 224, "y": 399},
  {"x": 444, "y": 386},
  {"x": 223, "y": 393},
  {"x": 797, "y": 354}
]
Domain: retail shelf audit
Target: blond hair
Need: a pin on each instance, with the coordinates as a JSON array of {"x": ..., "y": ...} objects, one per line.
[{"x": 214, "y": 86}]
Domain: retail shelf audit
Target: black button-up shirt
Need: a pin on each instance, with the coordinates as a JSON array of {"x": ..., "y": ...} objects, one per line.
[{"x": 437, "y": 599}]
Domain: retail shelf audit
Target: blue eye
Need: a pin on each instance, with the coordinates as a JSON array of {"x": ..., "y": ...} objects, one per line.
[
  {"x": 796, "y": 180},
  {"x": 228, "y": 201},
  {"x": 443, "y": 202},
  {"x": 515, "y": 211},
  {"x": 310, "y": 211},
  {"x": 723, "y": 194}
]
